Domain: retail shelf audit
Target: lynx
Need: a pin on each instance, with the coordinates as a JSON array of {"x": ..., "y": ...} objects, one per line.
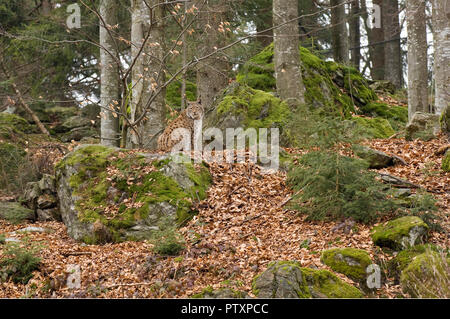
[{"x": 186, "y": 119}]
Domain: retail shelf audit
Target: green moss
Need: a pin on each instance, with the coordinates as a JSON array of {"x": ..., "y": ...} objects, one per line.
[
  {"x": 258, "y": 108},
  {"x": 328, "y": 84},
  {"x": 17, "y": 123},
  {"x": 313, "y": 283},
  {"x": 396, "y": 115},
  {"x": 15, "y": 213},
  {"x": 348, "y": 261},
  {"x": 375, "y": 127},
  {"x": 444, "y": 120},
  {"x": 405, "y": 257},
  {"x": 92, "y": 185},
  {"x": 427, "y": 276},
  {"x": 446, "y": 162},
  {"x": 392, "y": 233},
  {"x": 11, "y": 158},
  {"x": 328, "y": 284}
]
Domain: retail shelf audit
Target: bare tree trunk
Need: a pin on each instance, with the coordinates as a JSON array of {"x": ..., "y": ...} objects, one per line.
[
  {"x": 146, "y": 78},
  {"x": 212, "y": 73},
  {"x": 288, "y": 71},
  {"x": 109, "y": 75},
  {"x": 355, "y": 34},
  {"x": 417, "y": 57},
  {"x": 184, "y": 59},
  {"x": 441, "y": 36},
  {"x": 376, "y": 42},
  {"x": 339, "y": 32},
  {"x": 392, "y": 54}
]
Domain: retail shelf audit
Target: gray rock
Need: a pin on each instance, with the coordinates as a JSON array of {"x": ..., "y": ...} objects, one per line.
[
  {"x": 47, "y": 184},
  {"x": 48, "y": 215},
  {"x": 422, "y": 125},
  {"x": 287, "y": 279},
  {"x": 377, "y": 159},
  {"x": 87, "y": 163},
  {"x": 79, "y": 133}
]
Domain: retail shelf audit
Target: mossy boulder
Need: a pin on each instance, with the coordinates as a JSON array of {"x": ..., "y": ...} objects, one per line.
[
  {"x": 383, "y": 86},
  {"x": 375, "y": 127},
  {"x": 400, "y": 233},
  {"x": 242, "y": 106},
  {"x": 375, "y": 158},
  {"x": 287, "y": 279},
  {"x": 427, "y": 276},
  {"x": 351, "y": 262},
  {"x": 397, "y": 116},
  {"x": 12, "y": 126},
  {"x": 222, "y": 293},
  {"x": 329, "y": 85},
  {"x": 422, "y": 126},
  {"x": 444, "y": 120},
  {"x": 61, "y": 113},
  {"x": 110, "y": 195},
  {"x": 405, "y": 257},
  {"x": 446, "y": 162},
  {"x": 15, "y": 213}
]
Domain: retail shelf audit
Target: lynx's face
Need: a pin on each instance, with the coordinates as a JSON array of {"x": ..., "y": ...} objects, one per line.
[{"x": 194, "y": 111}]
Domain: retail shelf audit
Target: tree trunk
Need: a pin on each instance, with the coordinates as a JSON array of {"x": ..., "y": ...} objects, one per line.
[
  {"x": 392, "y": 52},
  {"x": 417, "y": 57},
  {"x": 147, "y": 75},
  {"x": 288, "y": 71},
  {"x": 339, "y": 32},
  {"x": 109, "y": 75},
  {"x": 355, "y": 34},
  {"x": 441, "y": 35},
  {"x": 212, "y": 73},
  {"x": 377, "y": 52}
]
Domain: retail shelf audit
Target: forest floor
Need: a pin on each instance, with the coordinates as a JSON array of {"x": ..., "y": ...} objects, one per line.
[{"x": 242, "y": 225}]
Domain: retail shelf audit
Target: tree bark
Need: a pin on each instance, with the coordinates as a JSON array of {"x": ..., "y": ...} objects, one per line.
[
  {"x": 212, "y": 73},
  {"x": 441, "y": 36},
  {"x": 377, "y": 48},
  {"x": 355, "y": 34},
  {"x": 109, "y": 76},
  {"x": 145, "y": 76},
  {"x": 392, "y": 52},
  {"x": 288, "y": 72},
  {"x": 339, "y": 32},
  {"x": 417, "y": 57}
]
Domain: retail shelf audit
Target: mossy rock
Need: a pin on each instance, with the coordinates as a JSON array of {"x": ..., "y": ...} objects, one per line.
[
  {"x": 400, "y": 233},
  {"x": 242, "y": 106},
  {"x": 15, "y": 213},
  {"x": 427, "y": 276},
  {"x": 61, "y": 113},
  {"x": 375, "y": 158},
  {"x": 329, "y": 85},
  {"x": 162, "y": 192},
  {"x": 13, "y": 127},
  {"x": 375, "y": 127},
  {"x": 446, "y": 162},
  {"x": 383, "y": 86},
  {"x": 222, "y": 293},
  {"x": 396, "y": 115},
  {"x": 405, "y": 257},
  {"x": 444, "y": 120},
  {"x": 287, "y": 279},
  {"x": 351, "y": 262}
]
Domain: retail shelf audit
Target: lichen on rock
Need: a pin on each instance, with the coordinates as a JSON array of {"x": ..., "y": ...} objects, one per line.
[
  {"x": 107, "y": 194},
  {"x": 400, "y": 233},
  {"x": 287, "y": 279}
]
